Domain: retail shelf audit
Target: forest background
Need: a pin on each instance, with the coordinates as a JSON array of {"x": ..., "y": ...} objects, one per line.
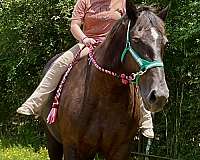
[{"x": 33, "y": 31}]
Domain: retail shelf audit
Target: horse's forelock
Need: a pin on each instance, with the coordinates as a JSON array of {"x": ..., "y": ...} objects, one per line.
[
  {"x": 151, "y": 8},
  {"x": 148, "y": 18}
]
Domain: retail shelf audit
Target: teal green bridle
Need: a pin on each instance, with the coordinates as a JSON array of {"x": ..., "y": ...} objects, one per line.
[{"x": 144, "y": 64}]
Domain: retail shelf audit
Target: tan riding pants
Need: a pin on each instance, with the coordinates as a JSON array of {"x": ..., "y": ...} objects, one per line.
[{"x": 51, "y": 79}]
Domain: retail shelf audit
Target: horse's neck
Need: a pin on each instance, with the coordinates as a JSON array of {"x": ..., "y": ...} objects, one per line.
[
  {"x": 105, "y": 87},
  {"x": 109, "y": 53},
  {"x": 108, "y": 57}
]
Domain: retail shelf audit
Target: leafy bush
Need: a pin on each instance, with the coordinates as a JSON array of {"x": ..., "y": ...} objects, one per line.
[{"x": 31, "y": 32}]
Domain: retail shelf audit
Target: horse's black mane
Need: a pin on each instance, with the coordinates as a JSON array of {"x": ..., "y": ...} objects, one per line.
[
  {"x": 146, "y": 17},
  {"x": 149, "y": 13}
]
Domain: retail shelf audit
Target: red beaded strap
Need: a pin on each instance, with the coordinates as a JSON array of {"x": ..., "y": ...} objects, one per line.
[
  {"x": 125, "y": 79},
  {"x": 54, "y": 108}
]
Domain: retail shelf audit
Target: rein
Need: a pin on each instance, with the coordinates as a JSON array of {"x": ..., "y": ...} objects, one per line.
[
  {"x": 52, "y": 116},
  {"x": 126, "y": 79}
]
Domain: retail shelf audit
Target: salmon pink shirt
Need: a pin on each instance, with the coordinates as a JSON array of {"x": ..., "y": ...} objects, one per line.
[{"x": 98, "y": 16}]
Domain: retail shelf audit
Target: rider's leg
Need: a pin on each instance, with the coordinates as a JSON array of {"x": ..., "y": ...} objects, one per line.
[
  {"x": 146, "y": 123},
  {"x": 40, "y": 96},
  {"x": 145, "y": 119}
]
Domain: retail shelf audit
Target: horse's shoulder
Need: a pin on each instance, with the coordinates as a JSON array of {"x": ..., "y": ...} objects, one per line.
[{"x": 75, "y": 82}]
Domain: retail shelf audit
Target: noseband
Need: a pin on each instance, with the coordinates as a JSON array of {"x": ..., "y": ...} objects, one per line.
[{"x": 144, "y": 64}]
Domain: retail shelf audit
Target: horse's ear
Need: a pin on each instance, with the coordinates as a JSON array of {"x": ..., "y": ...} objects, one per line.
[
  {"x": 131, "y": 10},
  {"x": 163, "y": 13}
]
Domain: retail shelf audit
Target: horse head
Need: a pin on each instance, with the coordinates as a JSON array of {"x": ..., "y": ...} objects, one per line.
[{"x": 145, "y": 43}]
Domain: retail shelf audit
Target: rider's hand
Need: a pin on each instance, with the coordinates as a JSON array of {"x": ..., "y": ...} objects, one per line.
[{"x": 88, "y": 41}]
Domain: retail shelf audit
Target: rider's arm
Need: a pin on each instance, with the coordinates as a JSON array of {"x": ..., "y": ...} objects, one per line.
[
  {"x": 78, "y": 17},
  {"x": 78, "y": 33},
  {"x": 76, "y": 30}
]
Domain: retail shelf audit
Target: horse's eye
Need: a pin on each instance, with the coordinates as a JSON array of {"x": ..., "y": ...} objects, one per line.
[
  {"x": 140, "y": 28},
  {"x": 136, "y": 39}
]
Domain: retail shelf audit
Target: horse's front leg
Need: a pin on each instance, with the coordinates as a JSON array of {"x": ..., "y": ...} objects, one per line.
[
  {"x": 70, "y": 152},
  {"x": 55, "y": 149},
  {"x": 119, "y": 152}
]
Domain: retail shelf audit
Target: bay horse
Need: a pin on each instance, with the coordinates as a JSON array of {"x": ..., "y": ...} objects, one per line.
[{"x": 94, "y": 114}]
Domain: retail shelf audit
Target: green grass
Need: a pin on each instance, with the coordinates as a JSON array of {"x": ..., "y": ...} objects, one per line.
[
  {"x": 22, "y": 153},
  {"x": 23, "y": 140},
  {"x": 19, "y": 152}
]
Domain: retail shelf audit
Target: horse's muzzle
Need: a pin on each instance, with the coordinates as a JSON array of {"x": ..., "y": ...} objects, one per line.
[{"x": 157, "y": 100}]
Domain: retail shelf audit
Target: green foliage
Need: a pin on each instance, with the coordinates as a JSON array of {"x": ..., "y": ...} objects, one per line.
[
  {"x": 22, "y": 139},
  {"x": 22, "y": 153},
  {"x": 32, "y": 31},
  {"x": 178, "y": 128}
]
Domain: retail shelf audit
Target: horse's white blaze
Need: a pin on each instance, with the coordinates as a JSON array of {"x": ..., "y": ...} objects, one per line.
[
  {"x": 155, "y": 36},
  {"x": 154, "y": 33}
]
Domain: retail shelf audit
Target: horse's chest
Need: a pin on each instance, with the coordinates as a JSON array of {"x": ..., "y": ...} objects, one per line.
[{"x": 104, "y": 131}]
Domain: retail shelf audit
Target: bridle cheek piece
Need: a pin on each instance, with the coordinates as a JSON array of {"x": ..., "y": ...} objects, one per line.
[
  {"x": 133, "y": 77},
  {"x": 143, "y": 64}
]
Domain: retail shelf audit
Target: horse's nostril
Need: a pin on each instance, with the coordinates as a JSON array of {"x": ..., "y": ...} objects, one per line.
[
  {"x": 152, "y": 97},
  {"x": 157, "y": 98}
]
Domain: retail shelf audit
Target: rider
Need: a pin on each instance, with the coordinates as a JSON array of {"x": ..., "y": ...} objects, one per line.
[{"x": 96, "y": 17}]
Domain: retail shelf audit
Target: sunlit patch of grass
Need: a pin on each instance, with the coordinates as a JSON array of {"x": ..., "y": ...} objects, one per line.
[
  {"x": 22, "y": 141},
  {"x": 18, "y": 152},
  {"x": 25, "y": 141},
  {"x": 22, "y": 153}
]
